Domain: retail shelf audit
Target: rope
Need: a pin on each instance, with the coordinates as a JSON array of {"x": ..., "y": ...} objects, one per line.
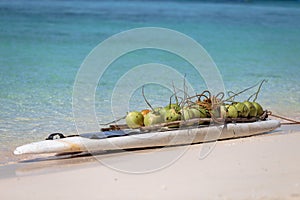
[{"x": 291, "y": 121}]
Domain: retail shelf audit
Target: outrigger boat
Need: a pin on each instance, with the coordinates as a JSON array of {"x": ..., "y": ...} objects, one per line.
[{"x": 121, "y": 137}]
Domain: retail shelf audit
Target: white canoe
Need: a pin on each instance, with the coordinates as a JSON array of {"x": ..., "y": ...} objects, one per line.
[{"x": 152, "y": 139}]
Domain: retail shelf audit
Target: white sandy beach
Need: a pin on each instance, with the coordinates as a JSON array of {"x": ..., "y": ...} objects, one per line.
[{"x": 259, "y": 167}]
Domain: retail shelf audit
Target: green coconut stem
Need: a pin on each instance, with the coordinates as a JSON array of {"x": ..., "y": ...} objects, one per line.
[
  {"x": 229, "y": 94},
  {"x": 251, "y": 96},
  {"x": 201, "y": 95},
  {"x": 220, "y": 94},
  {"x": 184, "y": 88},
  {"x": 177, "y": 97},
  {"x": 146, "y": 99},
  {"x": 170, "y": 101},
  {"x": 175, "y": 94},
  {"x": 198, "y": 96},
  {"x": 184, "y": 92},
  {"x": 206, "y": 91},
  {"x": 258, "y": 90},
  {"x": 236, "y": 94}
]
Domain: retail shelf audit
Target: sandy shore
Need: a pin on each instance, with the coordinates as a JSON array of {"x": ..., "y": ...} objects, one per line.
[{"x": 259, "y": 167}]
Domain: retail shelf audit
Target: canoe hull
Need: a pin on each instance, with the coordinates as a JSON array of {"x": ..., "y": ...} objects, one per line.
[{"x": 152, "y": 139}]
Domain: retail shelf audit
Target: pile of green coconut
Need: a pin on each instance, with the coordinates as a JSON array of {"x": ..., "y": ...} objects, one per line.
[{"x": 200, "y": 106}]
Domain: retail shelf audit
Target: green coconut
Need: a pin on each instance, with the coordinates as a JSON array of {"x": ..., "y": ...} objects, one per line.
[
  {"x": 251, "y": 107},
  {"x": 160, "y": 110},
  {"x": 157, "y": 109},
  {"x": 190, "y": 113},
  {"x": 219, "y": 111},
  {"x": 232, "y": 112},
  {"x": 153, "y": 118},
  {"x": 171, "y": 115},
  {"x": 173, "y": 106},
  {"x": 259, "y": 109},
  {"x": 223, "y": 111},
  {"x": 242, "y": 109},
  {"x": 134, "y": 119},
  {"x": 215, "y": 113},
  {"x": 203, "y": 113},
  {"x": 193, "y": 113}
]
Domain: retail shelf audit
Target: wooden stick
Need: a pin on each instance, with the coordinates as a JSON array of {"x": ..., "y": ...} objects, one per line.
[{"x": 195, "y": 121}]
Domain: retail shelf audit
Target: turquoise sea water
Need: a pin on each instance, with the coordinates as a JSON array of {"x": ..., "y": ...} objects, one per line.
[{"x": 43, "y": 43}]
